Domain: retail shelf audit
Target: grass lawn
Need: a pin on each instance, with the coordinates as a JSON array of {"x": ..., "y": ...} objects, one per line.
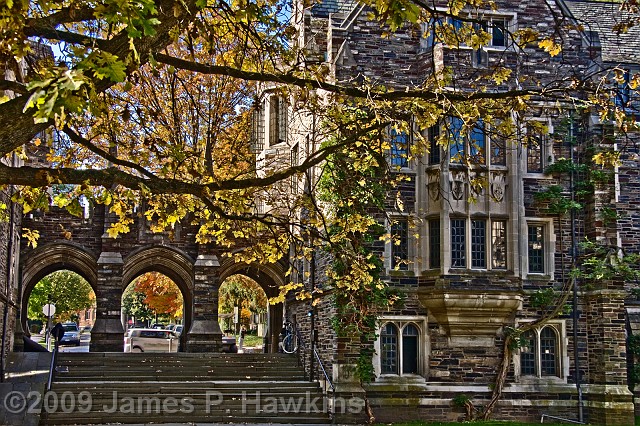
[
  {"x": 251, "y": 340},
  {"x": 488, "y": 423}
]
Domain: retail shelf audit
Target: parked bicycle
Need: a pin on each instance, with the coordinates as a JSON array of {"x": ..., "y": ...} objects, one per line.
[{"x": 290, "y": 339}]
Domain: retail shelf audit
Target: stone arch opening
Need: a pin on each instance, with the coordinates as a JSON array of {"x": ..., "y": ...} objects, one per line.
[
  {"x": 49, "y": 258},
  {"x": 270, "y": 277},
  {"x": 242, "y": 312},
  {"x": 170, "y": 262}
]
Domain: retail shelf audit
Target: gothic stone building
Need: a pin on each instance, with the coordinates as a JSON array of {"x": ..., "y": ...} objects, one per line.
[{"x": 477, "y": 267}]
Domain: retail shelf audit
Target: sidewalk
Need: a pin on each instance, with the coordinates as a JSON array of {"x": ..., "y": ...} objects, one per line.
[{"x": 27, "y": 375}]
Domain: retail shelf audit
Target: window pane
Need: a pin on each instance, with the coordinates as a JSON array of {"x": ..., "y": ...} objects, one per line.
[
  {"x": 389, "y": 349},
  {"x": 499, "y": 244},
  {"x": 434, "y": 148},
  {"x": 528, "y": 355},
  {"x": 458, "y": 243},
  {"x": 498, "y": 26},
  {"x": 548, "y": 352},
  {"x": 536, "y": 249},
  {"x": 498, "y": 152},
  {"x": 434, "y": 243},
  {"x": 456, "y": 141},
  {"x": 477, "y": 143},
  {"x": 400, "y": 245},
  {"x": 478, "y": 244},
  {"x": 535, "y": 152},
  {"x": 399, "y": 149},
  {"x": 410, "y": 341}
]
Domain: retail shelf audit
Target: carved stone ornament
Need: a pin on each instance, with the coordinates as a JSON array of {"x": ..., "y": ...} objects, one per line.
[
  {"x": 434, "y": 186},
  {"x": 498, "y": 187},
  {"x": 457, "y": 189}
]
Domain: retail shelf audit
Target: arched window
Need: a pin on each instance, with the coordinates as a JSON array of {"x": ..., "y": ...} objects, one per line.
[
  {"x": 410, "y": 349},
  {"x": 528, "y": 354},
  {"x": 540, "y": 353},
  {"x": 389, "y": 349},
  {"x": 548, "y": 352}
]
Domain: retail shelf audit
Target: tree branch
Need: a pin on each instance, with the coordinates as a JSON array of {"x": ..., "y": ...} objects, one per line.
[
  {"x": 17, "y": 127},
  {"x": 427, "y": 95}
]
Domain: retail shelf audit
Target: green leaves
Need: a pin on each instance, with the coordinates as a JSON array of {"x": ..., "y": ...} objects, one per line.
[
  {"x": 57, "y": 95},
  {"x": 104, "y": 65}
]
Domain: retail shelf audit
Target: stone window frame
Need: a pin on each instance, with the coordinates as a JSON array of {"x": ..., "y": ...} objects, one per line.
[
  {"x": 389, "y": 244},
  {"x": 546, "y": 150},
  {"x": 562, "y": 351},
  {"x": 548, "y": 248},
  {"x": 488, "y": 243},
  {"x": 401, "y": 321},
  {"x": 509, "y": 17},
  {"x": 443, "y": 155},
  {"x": 399, "y": 158}
]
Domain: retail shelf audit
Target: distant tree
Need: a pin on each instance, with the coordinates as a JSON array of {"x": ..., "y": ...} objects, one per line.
[
  {"x": 244, "y": 293},
  {"x": 133, "y": 305},
  {"x": 161, "y": 294},
  {"x": 68, "y": 291}
]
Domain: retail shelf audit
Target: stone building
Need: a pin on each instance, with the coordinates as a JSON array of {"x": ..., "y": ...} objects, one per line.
[{"x": 480, "y": 266}]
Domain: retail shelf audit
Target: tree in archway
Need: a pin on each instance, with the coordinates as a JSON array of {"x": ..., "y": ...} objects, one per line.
[
  {"x": 161, "y": 294},
  {"x": 68, "y": 291},
  {"x": 134, "y": 305},
  {"x": 245, "y": 294}
]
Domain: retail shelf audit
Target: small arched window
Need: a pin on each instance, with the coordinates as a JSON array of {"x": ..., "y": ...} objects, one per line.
[
  {"x": 548, "y": 352},
  {"x": 389, "y": 349},
  {"x": 410, "y": 339}
]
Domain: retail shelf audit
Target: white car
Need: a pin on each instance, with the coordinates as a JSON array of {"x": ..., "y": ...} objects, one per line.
[{"x": 150, "y": 340}]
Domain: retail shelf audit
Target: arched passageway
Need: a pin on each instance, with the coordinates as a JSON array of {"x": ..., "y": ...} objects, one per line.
[
  {"x": 270, "y": 278},
  {"x": 47, "y": 259}
]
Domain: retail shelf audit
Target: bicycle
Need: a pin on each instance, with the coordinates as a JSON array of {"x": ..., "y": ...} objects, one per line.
[{"x": 290, "y": 340}]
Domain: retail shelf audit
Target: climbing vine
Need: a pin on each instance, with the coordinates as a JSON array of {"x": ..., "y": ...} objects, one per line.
[{"x": 354, "y": 187}]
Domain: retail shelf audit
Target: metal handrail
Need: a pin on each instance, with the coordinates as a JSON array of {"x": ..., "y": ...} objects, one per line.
[
  {"x": 52, "y": 367},
  {"x": 560, "y": 418},
  {"x": 327, "y": 380}
]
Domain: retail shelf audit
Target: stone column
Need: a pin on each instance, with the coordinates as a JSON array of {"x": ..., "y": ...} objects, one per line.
[
  {"x": 608, "y": 400},
  {"x": 205, "y": 334},
  {"x": 107, "y": 334},
  {"x": 274, "y": 328}
]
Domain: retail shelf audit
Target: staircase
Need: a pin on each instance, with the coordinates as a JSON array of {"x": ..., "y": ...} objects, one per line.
[{"x": 142, "y": 388}]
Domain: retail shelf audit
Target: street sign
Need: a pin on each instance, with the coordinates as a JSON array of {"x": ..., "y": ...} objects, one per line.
[{"x": 49, "y": 309}]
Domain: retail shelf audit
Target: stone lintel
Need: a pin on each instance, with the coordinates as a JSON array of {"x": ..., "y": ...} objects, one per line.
[
  {"x": 110, "y": 258},
  {"x": 210, "y": 260},
  {"x": 471, "y": 317}
]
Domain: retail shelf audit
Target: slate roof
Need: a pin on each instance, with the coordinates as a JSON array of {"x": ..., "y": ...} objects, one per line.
[
  {"x": 323, "y": 8},
  {"x": 601, "y": 17}
]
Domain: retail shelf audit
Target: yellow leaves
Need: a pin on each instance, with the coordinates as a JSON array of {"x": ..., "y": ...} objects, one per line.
[
  {"x": 607, "y": 158},
  {"x": 31, "y": 236},
  {"x": 501, "y": 74},
  {"x": 549, "y": 45}
]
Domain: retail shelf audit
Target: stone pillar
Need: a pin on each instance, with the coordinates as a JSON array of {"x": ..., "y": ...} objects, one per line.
[
  {"x": 107, "y": 334},
  {"x": 608, "y": 400},
  {"x": 350, "y": 395},
  {"x": 205, "y": 334},
  {"x": 272, "y": 343}
]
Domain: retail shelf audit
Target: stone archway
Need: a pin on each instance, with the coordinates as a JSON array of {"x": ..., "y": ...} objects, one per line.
[
  {"x": 48, "y": 258},
  {"x": 171, "y": 262},
  {"x": 270, "y": 277}
]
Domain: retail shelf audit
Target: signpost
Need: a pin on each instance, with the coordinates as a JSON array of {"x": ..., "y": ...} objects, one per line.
[{"x": 49, "y": 310}]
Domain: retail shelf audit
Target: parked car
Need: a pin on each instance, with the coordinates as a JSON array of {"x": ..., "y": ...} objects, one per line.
[
  {"x": 177, "y": 330},
  {"x": 71, "y": 334},
  {"x": 150, "y": 340}
]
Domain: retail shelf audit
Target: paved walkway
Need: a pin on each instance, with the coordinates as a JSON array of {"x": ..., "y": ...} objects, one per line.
[{"x": 27, "y": 375}]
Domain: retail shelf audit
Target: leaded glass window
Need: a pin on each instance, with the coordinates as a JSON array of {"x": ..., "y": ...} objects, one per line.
[
  {"x": 389, "y": 349},
  {"x": 400, "y": 244},
  {"x": 548, "y": 348},
  {"x": 434, "y": 243},
  {"x": 458, "y": 246},
  {"x": 478, "y": 244},
  {"x": 536, "y": 248},
  {"x": 499, "y": 244}
]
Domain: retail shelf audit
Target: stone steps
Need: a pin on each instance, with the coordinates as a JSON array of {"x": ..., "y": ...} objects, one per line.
[{"x": 144, "y": 388}]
